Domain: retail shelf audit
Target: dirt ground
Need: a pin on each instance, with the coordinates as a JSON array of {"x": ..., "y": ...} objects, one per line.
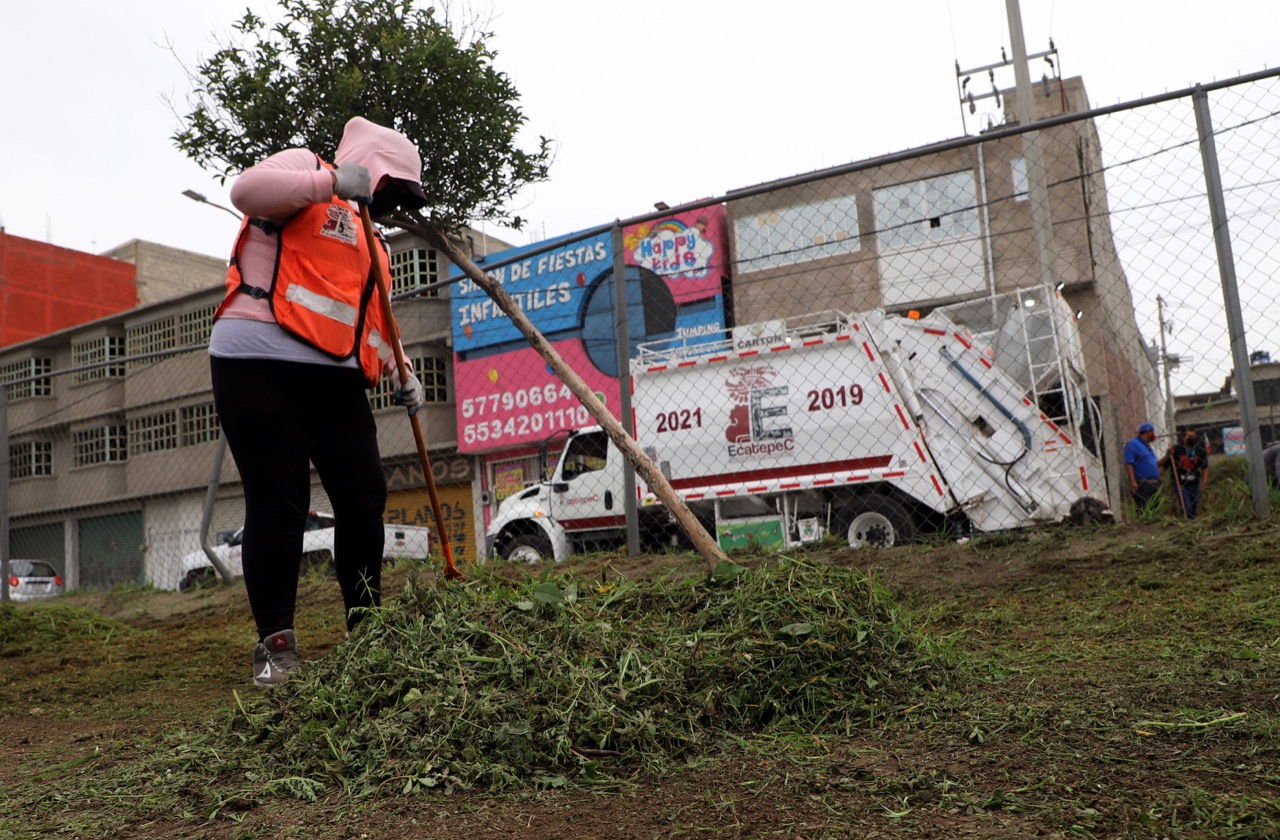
[{"x": 1116, "y": 682}]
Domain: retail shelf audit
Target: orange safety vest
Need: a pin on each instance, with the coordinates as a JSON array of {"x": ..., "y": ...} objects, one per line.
[{"x": 323, "y": 285}]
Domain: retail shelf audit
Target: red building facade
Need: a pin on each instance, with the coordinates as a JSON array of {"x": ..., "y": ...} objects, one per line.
[{"x": 45, "y": 288}]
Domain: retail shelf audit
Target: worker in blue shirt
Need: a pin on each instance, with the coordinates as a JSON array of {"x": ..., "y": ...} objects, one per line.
[{"x": 1141, "y": 467}]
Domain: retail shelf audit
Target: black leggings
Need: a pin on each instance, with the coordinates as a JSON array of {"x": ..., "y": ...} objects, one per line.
[{"x": 277, "y": 417}]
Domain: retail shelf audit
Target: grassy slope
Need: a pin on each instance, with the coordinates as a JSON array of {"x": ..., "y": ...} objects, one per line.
[{"x": 1119, "y": 682}]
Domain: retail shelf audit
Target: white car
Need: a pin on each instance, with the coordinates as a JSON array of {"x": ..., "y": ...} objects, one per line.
[
  {"x": 32, "y": 580},
  {"x": 400, "y": 542}
]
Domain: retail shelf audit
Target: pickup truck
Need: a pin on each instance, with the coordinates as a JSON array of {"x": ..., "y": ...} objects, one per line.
[{"x": 400, "y": 542}]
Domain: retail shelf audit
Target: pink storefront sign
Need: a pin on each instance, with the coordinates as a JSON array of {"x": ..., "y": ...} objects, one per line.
[{"x": 513, "y": 398}]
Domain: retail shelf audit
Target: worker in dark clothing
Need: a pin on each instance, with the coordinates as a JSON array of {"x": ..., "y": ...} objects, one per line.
[{"x": 1189, "y": 471}]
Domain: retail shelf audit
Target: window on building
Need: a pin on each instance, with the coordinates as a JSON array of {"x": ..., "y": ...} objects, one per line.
[
  {"x": 153, "y": 337},
  {"x": 30, "y": 458},
  {"x": 431, "y": 372},
  {"x": 106, "y": 444},
  {"x": 434, "y": 378},
  {"x": 103, "y": 353},
  {"x": 199, "y": 424},
  {"x": 927, "y": 232},
  {"x": 932, "y": 210},
  {"x": 1019, "y": 172},
  {"x": 414, "y": 267},
  {"x": 194, "y": 327},
  {"x": 153, "y": 433},
  {"x": 791, "y": 235},
  {"x": 34, "y": 374}
]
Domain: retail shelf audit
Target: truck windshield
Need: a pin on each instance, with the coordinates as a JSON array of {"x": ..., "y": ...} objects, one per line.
[{"x": 585, "y": 453}]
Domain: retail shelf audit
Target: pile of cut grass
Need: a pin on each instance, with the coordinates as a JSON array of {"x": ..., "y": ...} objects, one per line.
[
  {"x": 559, "y": 680},
  {"x": 28, "y": 629}
]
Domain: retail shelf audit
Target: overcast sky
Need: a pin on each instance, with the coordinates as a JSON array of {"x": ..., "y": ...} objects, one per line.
[{"x": 645, "y": 102}]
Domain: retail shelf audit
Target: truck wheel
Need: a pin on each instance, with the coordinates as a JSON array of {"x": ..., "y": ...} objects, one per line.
[
  {"x": 877, "y": 521},
  {"x": 527, "y": 548},
  {"x": 198, "y": 579}
]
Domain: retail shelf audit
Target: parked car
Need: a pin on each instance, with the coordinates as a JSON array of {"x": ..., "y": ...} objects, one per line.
[
  {"x": 31, "y": 580},
  {"x": 401, "y": 542}
]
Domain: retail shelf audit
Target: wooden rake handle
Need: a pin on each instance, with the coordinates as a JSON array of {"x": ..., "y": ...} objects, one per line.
[{"x": 384, "y": 295}]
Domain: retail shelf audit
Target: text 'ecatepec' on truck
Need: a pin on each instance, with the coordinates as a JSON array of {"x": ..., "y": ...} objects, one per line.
[{"x": 868, "y": 426}]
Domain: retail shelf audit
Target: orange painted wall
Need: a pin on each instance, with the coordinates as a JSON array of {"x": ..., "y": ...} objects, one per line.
[{"x": 44, "y": 288}]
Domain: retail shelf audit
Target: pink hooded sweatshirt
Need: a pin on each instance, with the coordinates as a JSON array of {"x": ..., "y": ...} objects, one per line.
[{"x": 284, "y": 183}]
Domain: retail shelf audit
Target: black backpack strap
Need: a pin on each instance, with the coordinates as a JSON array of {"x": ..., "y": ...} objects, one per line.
[{"x": 270, "y": 229}]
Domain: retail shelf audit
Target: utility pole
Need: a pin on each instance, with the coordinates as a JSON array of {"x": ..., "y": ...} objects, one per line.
[
  {"x": 1041, "y": 216},
  {"x": 1170, "y": 418},
  {"x": 1037, "y": 179}
]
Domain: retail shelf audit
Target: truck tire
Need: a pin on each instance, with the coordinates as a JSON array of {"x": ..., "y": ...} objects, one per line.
[
  {"x": 527, "y": 548},
  {"x": 198, "y": 579},
  {"x": 877, "y": 521}
]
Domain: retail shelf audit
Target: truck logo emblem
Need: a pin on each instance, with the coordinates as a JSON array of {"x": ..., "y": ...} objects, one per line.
[{"x": 758, "y": 419}]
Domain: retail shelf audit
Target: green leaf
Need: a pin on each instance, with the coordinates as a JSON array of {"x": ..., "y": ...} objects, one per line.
[
  {"x": 727, "y": 570},
  {"x": 798, "y": 629},
  {"x": 548, "y": 593}
]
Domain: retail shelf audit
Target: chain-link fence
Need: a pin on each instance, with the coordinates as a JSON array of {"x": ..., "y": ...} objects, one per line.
[
  {"x": 959, "y": 338},
  {"x": 962, "y": 337},
  {"x": 117, "y": 473}
]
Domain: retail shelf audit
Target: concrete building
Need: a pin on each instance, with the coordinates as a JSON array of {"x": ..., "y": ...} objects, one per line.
[
  {"x": 1212, "y": 413},
  {"x": 955, "y": 225},
  {"x": 44, "y": 288},
  {"x": 163, "y": 273},
  {"x": 112, "y": 432}
]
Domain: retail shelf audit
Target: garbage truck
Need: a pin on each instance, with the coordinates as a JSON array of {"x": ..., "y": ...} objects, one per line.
[{"x": 870, "y": 427}]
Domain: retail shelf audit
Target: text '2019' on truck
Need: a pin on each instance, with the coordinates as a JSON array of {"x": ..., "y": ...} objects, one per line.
[{"x": 870, "y": 427}]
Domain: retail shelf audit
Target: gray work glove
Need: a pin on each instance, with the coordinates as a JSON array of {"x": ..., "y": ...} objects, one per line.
[
  {"x": 351, "y": 180},
  {"x": 408, "y": 393}
]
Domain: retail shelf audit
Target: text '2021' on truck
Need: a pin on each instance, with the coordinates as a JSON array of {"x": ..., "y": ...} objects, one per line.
[{"x": 869, "y": 426}]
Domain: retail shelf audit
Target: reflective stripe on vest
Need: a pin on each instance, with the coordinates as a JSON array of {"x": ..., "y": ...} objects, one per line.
[{"x": 321, "y": 305}]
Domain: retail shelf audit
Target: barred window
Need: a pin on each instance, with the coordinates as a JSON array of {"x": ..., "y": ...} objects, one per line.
[
  {"x": 103, "y": 353},
  {"x": 39, "y": 386},
  {"x": 194, "y": 327},
  {"x": 153, "y": 433},
  {"x": 30, "y": 458},
  {"x": 435, "y": 379},
  {"x": 199, "y": 424},
  {"x": 151, "y": 338},
  {"x": 99, "y": 445},
  {"x": 431, "y": 372},
  {"x": 413, "y": 268}
]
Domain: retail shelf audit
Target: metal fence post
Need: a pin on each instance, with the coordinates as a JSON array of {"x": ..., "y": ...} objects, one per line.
[
  {"x": 206, "y": 516},
  {"x": 622, "y": 333},
  {"x": 1241, "y": 373},
  {"x": 4, "y": 492}
]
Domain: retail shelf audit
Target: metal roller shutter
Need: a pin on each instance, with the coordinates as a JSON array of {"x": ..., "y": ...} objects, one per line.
[{"x": 413, "y": 507}]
